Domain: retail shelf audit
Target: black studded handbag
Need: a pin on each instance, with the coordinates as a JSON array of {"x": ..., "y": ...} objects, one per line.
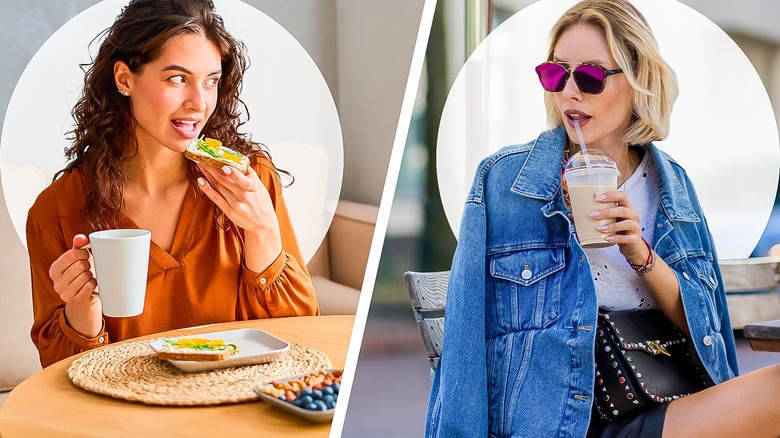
[{"x": 642, "y": 360}]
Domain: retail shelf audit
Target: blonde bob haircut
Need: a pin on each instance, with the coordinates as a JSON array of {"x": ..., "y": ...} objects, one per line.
[{"x": 633, "y": 46}]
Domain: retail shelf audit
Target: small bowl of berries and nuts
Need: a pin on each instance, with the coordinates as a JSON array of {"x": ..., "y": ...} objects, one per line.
[{"x": 312, "y": 395}]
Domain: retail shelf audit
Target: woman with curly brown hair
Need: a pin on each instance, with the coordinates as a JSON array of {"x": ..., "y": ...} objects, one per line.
[{"x": 223, "y": 247}]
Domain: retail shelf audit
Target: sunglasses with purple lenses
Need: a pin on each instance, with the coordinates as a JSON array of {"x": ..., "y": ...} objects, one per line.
[{"x": 590, "y": 79}]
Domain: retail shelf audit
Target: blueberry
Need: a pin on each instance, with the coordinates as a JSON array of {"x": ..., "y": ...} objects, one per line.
[
  {"x": 316, "y": 394},
  {"x": 298, "y": 402},
  {"x": 311, "y": 407},
  {"x": 329, "y": 397},
  {"x": 336, "y": 387},
  {"x": 328, "y": 390},
  {"x": 282, "y": 397},
  {"x": 304, "y": 391},
  {"x": 321, "y": 406},
  {"x": 330, "y": 404},
  {"x": 306, "y": 399}
]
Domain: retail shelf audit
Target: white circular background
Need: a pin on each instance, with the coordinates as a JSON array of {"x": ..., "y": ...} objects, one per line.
[
  {"x": 291, "y": 108},
  {"x": 723, "y": 129}
]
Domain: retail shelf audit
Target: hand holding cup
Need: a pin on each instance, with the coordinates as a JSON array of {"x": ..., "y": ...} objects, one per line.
[
  {"x": 625, "y": 229},
  {"x": 588, "y": 177},
  {"x": 72, "y": 274}
]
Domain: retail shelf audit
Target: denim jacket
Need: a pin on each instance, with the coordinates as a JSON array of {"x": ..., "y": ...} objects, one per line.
[{"x": 518, "y": 351}]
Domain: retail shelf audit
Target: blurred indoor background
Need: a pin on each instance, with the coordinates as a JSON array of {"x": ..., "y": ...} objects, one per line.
[{"x": 390, "y": 393}]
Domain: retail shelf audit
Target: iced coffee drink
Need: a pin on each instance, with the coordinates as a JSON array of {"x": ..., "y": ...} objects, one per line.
[{"x": 587, "y": 179}]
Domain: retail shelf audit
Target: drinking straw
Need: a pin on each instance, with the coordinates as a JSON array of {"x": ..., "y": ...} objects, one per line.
[{"x": 582, "y": 143}]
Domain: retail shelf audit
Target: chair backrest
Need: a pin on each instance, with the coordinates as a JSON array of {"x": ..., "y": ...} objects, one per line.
[
  {"x": 757, "y": 274},
  {"x": 22, "y": 183},
  {"x": 428, "y": 295}
]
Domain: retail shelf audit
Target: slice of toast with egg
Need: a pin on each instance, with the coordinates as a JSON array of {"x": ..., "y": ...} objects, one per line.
[
  {"x": 197, "y": 349},
  {"x": 212, "y": 152}
]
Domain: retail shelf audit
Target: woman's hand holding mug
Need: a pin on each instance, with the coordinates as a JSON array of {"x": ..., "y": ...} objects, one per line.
[{"x": 73, "y": 274}]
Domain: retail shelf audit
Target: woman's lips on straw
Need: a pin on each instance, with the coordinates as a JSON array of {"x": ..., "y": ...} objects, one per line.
[{"x": 581, "y": 117}]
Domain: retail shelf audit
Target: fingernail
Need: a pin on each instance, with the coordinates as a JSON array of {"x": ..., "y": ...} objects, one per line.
[
  {"x": 602, "y": 228},
  {"x": 201, "y": 182},
  {"x": 594, "y": 214},
  {"x": 601, "y": 197},
  {"x": 610, "y": 238},
  {"x": 227, "y": 170}
]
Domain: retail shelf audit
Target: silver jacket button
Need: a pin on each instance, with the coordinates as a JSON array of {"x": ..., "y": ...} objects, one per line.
[{"x": 707, "y": 340}]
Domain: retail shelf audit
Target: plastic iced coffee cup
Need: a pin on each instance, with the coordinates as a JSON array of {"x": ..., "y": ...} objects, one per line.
[{"x": 587, "y": 179}]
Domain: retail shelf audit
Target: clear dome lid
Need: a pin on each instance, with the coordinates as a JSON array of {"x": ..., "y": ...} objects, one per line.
[{"x": 596, "y": 160}]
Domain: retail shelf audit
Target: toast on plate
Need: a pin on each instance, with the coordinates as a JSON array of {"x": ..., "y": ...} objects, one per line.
[{"x": 197, "y": 349}]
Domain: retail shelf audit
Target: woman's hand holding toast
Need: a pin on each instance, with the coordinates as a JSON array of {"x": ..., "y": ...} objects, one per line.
[{"x": 246, "y": 202}]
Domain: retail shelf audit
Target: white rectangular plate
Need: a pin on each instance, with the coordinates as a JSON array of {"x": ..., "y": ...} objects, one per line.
[{"x": 254, "y": 347}]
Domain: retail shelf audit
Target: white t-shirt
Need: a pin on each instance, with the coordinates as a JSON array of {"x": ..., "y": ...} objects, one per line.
[{"x": 618, "y": 287}]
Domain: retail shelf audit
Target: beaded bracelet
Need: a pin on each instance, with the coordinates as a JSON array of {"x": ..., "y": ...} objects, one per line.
[{"x": 649, "y": 264}]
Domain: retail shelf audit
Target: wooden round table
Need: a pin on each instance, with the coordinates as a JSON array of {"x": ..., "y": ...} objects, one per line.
[{"x": 48, "y": 404}]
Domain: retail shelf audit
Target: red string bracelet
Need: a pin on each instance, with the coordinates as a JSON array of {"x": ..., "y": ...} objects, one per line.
[{"x": 649, "y": 264}]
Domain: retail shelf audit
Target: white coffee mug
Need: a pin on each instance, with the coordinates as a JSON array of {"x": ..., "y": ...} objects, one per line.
[{"x": 121, "y": 259}]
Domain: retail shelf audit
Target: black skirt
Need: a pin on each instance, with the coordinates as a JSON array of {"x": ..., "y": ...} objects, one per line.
[{"x": 647, "y": 424}]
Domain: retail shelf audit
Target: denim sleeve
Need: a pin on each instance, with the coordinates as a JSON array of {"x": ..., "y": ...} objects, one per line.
[
  {"x": 724, "y": 364},
  {"x": 725, "y": 319},
  {"x": 721, "y": 306},
  {"x": 458, "y": 405}
]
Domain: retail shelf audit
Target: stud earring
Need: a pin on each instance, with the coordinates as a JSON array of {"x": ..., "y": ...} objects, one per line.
[{"x": 124, "y": 93}]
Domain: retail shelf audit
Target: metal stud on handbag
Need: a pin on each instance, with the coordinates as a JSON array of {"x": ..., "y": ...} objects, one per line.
[{"x": 642, "y": 360}]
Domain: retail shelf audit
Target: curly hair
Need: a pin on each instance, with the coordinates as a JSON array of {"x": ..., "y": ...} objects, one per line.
[{"x": 103, "y": 139}]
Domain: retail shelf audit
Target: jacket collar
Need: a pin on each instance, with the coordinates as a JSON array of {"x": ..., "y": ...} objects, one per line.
[
  {"x": 540, "y": 175},
  {"x": 675, "y": 194}
]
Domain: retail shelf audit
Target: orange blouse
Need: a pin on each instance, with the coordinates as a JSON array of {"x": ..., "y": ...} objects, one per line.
[{"x": 202, "y": 280}]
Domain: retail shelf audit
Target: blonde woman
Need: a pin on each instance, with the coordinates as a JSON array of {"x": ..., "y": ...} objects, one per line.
[{"x": 524, "y": 295}]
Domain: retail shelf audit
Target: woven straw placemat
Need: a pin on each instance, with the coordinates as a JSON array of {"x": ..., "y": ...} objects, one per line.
[{"x": 133, "y": 372}]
